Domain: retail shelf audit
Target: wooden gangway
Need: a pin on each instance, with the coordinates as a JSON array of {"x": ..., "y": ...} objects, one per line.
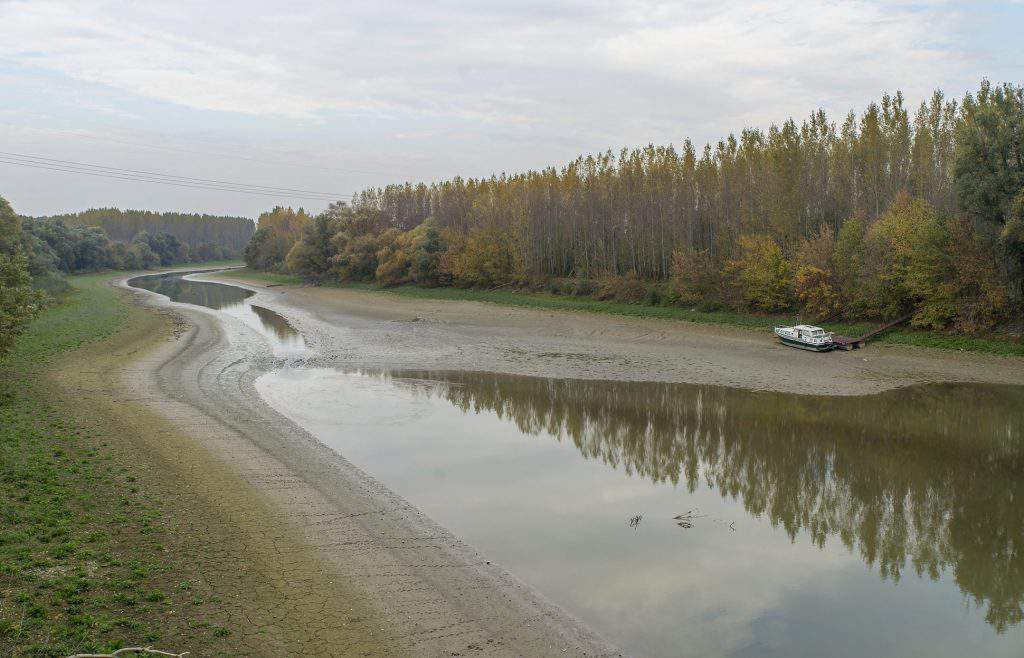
[{"x": 847, "y": 343}]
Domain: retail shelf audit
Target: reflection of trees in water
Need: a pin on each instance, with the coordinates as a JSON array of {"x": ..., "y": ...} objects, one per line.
[
  {"x": 274, "y": 322},
  {"x": 928, "y": 476},
  {"x": 200, "y": 293},
  {"x": 216, "y": 296}
]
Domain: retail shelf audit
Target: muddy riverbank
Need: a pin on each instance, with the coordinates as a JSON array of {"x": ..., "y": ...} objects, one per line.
[
  {"x": 355, "y": 328},
  {"x": 788, "y": 503},
  {"x": 262, "y": 381},
  {"x": 430, "y": 593}
]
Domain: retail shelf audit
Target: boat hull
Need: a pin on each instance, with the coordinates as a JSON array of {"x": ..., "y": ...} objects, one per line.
[{"x": 804, "y": 346}]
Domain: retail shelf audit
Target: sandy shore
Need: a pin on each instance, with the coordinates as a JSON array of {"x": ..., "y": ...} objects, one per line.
[
  {"x": 372, "y": 329},
  {"x": 252, "y": 573},
  {"x": 346, "y": 556},
  {"x": 430, "y": 593}
]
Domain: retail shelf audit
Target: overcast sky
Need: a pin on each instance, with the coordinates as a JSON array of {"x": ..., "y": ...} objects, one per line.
[{"x": 335, "y": 96}]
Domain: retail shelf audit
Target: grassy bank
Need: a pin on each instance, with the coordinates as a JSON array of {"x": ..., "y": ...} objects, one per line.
[
  {"x": 233, "y": 262},
  {"x": 263, "y": 277},
  {"x": 86, "y": 563},
  {"x": 544, "y": 301}
]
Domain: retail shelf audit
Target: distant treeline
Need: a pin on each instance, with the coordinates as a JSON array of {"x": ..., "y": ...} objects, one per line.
[
  {"x": 227, "y": 233},
  {"x": 871, "y": 217},
  {"x": 36, "y": 251},
  {"x": 129, "y": 240}
]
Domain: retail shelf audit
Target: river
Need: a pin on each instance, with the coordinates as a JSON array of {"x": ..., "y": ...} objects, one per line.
[{"x": 686, "y": 520}]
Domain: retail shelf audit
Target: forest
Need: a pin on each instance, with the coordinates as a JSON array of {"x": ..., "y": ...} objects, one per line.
[
  {"x": 886, "y": 212},
  {"x": 36, "y": 252},
  {"x": 227, "y": 234}
]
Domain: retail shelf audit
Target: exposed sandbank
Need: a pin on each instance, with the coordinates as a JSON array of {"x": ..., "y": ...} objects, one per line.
[
  {"x": 372, "y": 329},
  {"x": 430, "y": 593},
  {"x": 334, "y": 541}
]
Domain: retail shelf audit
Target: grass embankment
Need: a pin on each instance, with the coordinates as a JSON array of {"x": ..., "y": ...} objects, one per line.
[
  {"x": 86, "y": 563},
  {"x": 545, "y": 301},
  {"x": 231, "y": 262},
  {"x": 264, "y": 277}
]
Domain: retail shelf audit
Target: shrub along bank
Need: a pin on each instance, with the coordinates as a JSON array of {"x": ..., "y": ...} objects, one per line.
[{"x": 881, "y": 214}]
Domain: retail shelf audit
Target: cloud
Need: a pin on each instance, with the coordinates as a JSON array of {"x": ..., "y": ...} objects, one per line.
[
  {"x": 521, "y": 64},
  {"x": 452, "y": 87},
  {"x": 89, "y": 42}
]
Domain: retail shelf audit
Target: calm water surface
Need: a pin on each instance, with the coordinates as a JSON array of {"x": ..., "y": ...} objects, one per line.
[
  {"x": 889, "y": 525},
  {"x": 232, "y": 300}
]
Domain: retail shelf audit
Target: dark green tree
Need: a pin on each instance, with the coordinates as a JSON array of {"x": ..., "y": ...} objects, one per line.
[
  {"x": 989, "y": 169},
  {"x": 19, "y": 302},
  {"x": 311, "y": 255}
]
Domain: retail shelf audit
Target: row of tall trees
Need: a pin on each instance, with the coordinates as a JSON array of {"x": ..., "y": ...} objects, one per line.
[
  {"x": 881, "y": 213},
  {"x": 229, "y": 234}
]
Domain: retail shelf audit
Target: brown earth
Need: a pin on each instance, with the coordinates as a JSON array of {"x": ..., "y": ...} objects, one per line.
[
  {"x": 306, "y": 555},
  {"x": 327, "y": 560},
  {"x": 248, "y": 574},
  {"x": 376, "y": 329}
]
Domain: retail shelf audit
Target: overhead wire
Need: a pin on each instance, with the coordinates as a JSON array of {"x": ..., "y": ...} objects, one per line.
[
  {"x": 233, "y": 156},
  {"x": 175, "y": 180}
]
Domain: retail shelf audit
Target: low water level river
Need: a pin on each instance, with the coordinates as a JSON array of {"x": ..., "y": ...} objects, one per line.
[{"x": 692, "y": 520}]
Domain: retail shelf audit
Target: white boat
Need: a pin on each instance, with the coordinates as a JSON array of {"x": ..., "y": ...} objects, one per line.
[{"x": 806, "y": 337}]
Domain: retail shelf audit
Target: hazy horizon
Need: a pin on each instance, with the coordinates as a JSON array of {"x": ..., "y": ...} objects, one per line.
[{"x": 337, "y": 99}]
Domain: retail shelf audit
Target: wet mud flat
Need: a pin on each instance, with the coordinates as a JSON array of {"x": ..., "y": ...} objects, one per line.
[
  {"x": 432, "y": 593},
  {"x": 366, "y": 329},
  {"x": 231, "y": 300},
  {"x": 674, "y": 519}
]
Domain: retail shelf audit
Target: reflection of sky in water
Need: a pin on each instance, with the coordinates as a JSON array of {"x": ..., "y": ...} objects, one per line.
[
  {"x": 544, "y": 475},
  {"x": 232, "y": 300}
]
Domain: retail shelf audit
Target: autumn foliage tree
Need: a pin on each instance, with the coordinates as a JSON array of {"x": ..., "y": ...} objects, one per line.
[
  {"x": 907, "y": 265},
  {"x": 818, "y": 298},
  {"x": 696, "y": 279},
  {"x": 860, "y": 218},
  {"x": 412, "y": 257},
  {"x": 278, "y": 230},
  {"x": 311, "y": 255},
  {"x": 483, "y": 259},
  {"x": 1011, "y": 245},
  {"x": 982, "y": 299},
  {"x": 761, "y": 276}
]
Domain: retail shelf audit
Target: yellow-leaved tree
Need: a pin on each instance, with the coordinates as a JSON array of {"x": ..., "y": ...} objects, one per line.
[
  {"x": 908, "y": 266},
  {"x": 761, "y": 274},
  {"x": 483, "y": 259}
]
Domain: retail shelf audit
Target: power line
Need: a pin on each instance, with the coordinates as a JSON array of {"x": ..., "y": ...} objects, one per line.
[
  {"x": 32, "y": 158},
  {"x": 276, "y": 163},
  {"x": 139, "y": 179},
  {"x": 135, "y": 175}
]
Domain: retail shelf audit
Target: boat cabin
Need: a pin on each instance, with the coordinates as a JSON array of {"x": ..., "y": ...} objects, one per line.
[
  {"x": 807, "y": 331},
  {"x": 805, "y": 337}
]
